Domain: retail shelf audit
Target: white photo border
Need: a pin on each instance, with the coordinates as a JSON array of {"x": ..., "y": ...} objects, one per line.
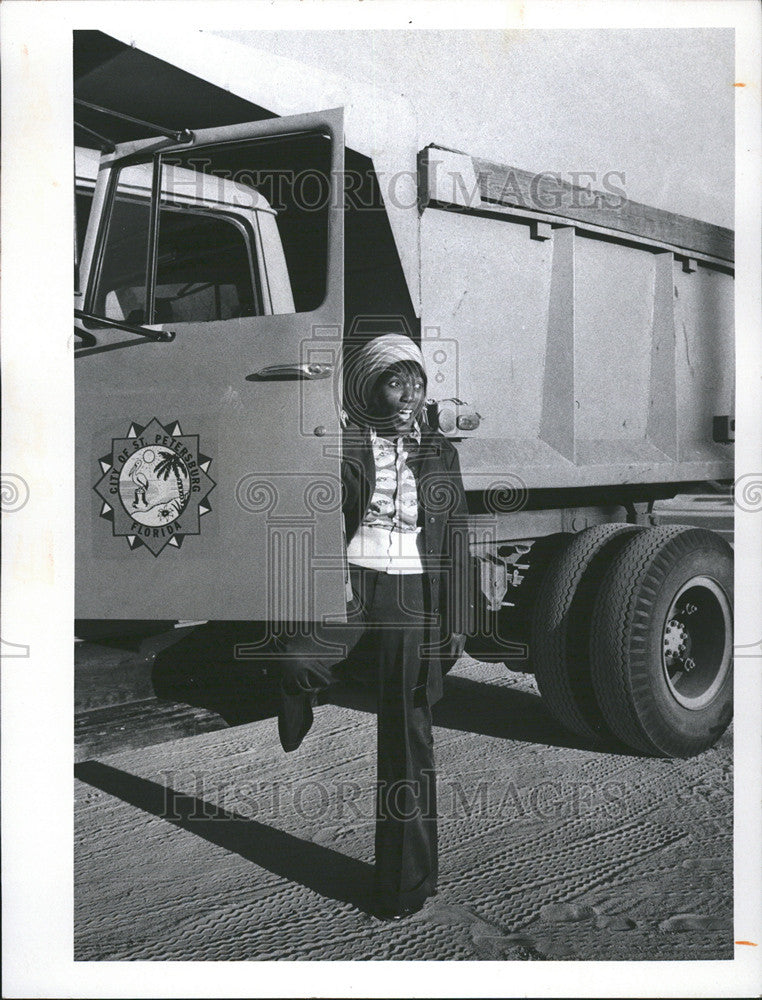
[{"x": 38, "y": 436}]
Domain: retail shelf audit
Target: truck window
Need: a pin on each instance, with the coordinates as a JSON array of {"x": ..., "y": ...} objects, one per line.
[
  {"x": 205, "y": 260},
  {"x": 242, "y": 231},
  {"x": 283, "y": 183}
]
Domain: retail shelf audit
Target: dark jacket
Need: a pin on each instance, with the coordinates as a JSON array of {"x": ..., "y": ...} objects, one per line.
[{"x": 443, "y": 541}]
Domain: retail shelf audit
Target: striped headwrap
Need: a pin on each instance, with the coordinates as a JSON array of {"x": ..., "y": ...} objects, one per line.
[{"x": 371, "y": 360}]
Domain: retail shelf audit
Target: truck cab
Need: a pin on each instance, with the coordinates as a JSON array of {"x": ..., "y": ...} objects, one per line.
[
  {"x": 579, "y": 353},
  {"x": 208, "y": 317}
]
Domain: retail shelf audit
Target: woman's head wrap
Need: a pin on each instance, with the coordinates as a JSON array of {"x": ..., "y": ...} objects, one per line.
[{"x": 371, "y": 360}]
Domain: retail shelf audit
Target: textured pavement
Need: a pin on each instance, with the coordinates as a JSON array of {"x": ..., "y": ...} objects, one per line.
[{"x": 220, "y": 846}]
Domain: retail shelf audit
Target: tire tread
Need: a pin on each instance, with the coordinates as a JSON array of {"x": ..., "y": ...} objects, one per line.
[
  {"x": 555, "y": 647},
  {"x": 620, "y": 630}
]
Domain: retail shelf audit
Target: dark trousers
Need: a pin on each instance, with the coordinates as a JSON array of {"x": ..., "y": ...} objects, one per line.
[{"x": 391, "y": 606}]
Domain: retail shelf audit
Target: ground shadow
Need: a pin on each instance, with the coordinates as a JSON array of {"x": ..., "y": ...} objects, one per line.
[
  {"x": 202, "y": 670},
  {"x": 333, "y": 875},
  {"x": 487, "y": 709},
  {"x": 205, "y": 670},
  {"x": 494, "y": 710}
]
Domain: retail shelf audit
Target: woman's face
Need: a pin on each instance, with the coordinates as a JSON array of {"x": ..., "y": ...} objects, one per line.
[{"x": 397, "y": 398}]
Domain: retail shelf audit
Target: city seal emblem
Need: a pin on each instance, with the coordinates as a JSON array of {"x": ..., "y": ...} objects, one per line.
[{"x": 154, "y": 486}]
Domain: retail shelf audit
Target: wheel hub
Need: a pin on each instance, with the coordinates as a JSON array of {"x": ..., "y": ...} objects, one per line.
[
  {"x": 696, "y": 642},
  {"x": 677, "y": 641}
]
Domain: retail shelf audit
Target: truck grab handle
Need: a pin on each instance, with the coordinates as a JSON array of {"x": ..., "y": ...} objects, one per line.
[{"x": 160, "y": 336}]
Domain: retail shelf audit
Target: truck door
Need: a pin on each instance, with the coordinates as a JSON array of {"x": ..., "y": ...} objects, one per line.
[{"x": 209, "y": 311}]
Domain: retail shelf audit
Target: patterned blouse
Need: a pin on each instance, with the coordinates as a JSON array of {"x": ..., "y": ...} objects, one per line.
[{"x": 387, "y": 539}]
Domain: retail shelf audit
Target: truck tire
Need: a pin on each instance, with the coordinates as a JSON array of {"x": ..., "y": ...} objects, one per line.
[
  {"x": 560, "y": 637},
  {"x": 662, "y": 641}
]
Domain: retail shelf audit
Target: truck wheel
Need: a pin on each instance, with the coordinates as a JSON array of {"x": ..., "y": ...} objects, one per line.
[
  {"x": 561, "y": 627},
  {"x": 662, "y": 641}
]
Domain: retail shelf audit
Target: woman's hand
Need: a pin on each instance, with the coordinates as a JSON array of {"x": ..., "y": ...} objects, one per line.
[{"x": 457, "y": 645}]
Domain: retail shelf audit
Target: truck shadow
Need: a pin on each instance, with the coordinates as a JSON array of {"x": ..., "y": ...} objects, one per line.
[
  {"x": 467, "y": 705},
  {"x": 333, "y": 875},
  {"x": 196, "y": 672},
  {"x": 494, "y": 710},
  {"x": 202, "y": 670},
  {"x": 486, "y": 709}
]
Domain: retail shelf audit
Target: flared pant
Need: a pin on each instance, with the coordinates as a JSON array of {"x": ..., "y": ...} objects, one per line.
[{"x": 390, "y": 608}]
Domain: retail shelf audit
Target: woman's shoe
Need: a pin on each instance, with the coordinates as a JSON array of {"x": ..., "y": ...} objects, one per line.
[
  {"x": 294, "y": 719},
  {"x": 400, "y": 912},
  {"x": 382, "y": 913}
]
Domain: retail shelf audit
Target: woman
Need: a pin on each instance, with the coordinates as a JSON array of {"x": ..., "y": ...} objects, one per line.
[{"x": 405, "y": 522}]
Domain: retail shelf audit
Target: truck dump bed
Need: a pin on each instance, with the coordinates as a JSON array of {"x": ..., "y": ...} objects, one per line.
[{"x": 593, "y": 336}]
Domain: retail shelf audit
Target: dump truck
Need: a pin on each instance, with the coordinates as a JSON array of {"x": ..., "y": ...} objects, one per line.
[{"x": 242, "y": 226}]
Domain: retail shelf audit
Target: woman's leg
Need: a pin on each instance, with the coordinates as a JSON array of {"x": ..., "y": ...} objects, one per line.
[
  {"x": 406, "y": 823},
  {"x": 309, "y": 662}
]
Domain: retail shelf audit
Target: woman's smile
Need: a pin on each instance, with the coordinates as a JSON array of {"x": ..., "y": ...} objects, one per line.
[{"x": 397, "y": 398}]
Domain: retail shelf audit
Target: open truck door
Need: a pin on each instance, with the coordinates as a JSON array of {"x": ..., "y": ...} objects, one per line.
[{"x": 209, "y": 311}]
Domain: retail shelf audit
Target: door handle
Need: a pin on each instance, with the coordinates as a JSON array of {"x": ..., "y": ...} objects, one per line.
[{"x": 291, "y": 373}]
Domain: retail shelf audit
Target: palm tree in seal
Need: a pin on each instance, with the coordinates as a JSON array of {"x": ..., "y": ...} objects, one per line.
[{"x": 172, "y": 463}]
